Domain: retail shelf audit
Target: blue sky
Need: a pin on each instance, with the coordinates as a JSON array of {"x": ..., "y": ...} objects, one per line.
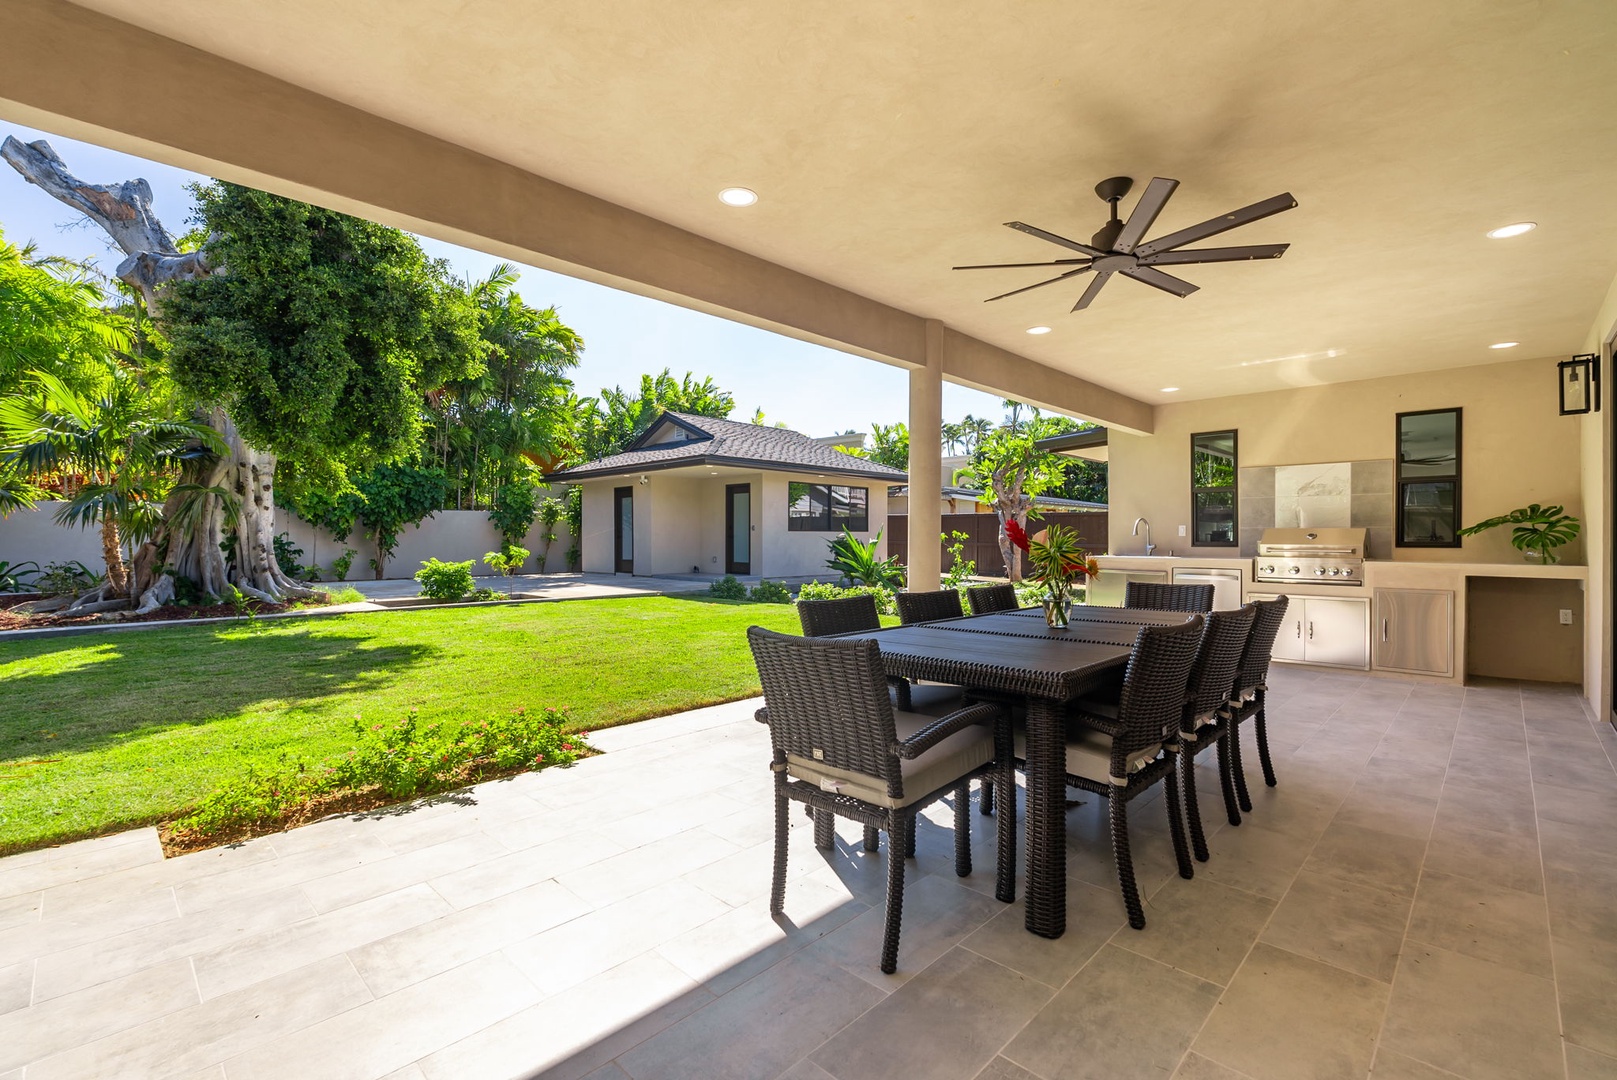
[{"x": 808, "y": 387}]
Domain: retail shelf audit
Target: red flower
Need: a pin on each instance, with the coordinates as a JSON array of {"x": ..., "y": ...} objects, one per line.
[{"x": 1017, "y": 534}]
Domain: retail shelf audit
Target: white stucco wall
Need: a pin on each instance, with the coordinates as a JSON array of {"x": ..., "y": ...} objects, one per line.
[
  {"x": 33, "y": 536},
  {"x": 679, "y": 524},
  {"x": 450, "y": 535}
]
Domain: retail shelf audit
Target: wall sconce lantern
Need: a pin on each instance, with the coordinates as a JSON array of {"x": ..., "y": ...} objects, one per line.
[{"x": 1580, "y": 384}]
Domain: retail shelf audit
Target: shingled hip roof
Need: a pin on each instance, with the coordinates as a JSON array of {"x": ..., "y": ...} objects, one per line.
[{"x": 708, "y": 441}]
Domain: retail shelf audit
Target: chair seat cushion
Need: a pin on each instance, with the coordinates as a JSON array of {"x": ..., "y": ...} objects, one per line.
[
  {"x": 1089, "y": 754},
  {"x": 935, "y": 699},
  {"x": 946, "y": 762}
]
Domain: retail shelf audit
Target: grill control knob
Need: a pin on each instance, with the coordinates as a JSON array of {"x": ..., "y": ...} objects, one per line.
[
  {"x": 1347, "y": 571},
  {"x": 1319, "y": 571},
  {"x": 1335, "y": 571},
  {"x": 1296, "y": 570},
  {"x": 1268, "y": 569}
]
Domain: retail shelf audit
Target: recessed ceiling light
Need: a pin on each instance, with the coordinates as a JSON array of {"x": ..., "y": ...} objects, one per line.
[
  {"x": 738, "y": 196},
  {"x": 1170, "y": 389},
  {"x": 1512, "y": 230},
  {"x": 1504, "y": 345},
  {"x": 1038, "y": 329}
]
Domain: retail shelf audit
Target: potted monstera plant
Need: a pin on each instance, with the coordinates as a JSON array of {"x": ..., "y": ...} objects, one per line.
[{"x": 1539, "y": 529}]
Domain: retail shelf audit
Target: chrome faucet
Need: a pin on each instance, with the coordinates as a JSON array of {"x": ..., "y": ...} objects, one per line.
[{"x": 1149, "y": 546}]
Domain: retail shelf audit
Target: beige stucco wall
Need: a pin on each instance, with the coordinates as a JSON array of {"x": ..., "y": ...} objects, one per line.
[
  {"x": 1595, "y": 449},
  {"x": 679, "y": 523},
  {"x": 1515, "y": 449}
]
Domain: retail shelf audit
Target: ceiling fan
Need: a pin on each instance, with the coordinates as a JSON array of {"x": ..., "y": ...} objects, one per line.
[{"x": 1117, "y": 247}]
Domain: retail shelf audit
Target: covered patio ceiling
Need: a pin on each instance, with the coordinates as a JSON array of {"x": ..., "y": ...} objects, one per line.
[{"x": 889, "y": 142}]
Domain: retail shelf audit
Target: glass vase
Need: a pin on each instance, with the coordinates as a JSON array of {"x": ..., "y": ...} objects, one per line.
[{"x": 1057, "y": 612}]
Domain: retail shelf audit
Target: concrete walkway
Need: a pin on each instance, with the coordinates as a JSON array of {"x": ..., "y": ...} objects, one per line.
[{"x": 1426, "y": 895}]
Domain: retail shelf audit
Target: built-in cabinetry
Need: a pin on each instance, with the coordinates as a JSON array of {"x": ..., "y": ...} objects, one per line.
[
  {"x": 1412, "y": 630},
  {"x": 1324, "y": 630},
  {"x": 1107, "y": 590},
  {"x": 1226, "y": 584}
]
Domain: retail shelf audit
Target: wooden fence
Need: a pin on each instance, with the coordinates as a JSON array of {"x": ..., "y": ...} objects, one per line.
[{"x": 982, "y": 536}]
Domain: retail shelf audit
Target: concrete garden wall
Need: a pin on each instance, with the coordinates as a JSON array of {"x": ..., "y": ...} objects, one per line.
[{"x": 450, "y": 535}]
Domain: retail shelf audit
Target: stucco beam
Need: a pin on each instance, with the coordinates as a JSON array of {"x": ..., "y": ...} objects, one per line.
[{"x": 199, "y": 111}]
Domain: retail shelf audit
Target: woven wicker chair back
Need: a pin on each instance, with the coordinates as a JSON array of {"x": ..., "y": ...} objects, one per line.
[
  {"x": 827, "y": 702},
  {"x": 1155, "y": 596},
  {"x": 989, "y": 598},
  {"x": 917, "y": 607},
  {"x": 843, "y": 616},
  {"x": 1254, "y": 669},
  {"x": 1153, "y": 698},
  {"x": 1224, "y": 639}
]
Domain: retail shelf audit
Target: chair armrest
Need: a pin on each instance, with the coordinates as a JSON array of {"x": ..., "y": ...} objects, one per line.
[
  {"x": 762, "y": 715},
  {"x": 938, "y": 730}
]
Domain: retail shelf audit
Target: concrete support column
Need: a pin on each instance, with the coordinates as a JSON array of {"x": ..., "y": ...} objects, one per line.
[{"x": 926, "y": 463}]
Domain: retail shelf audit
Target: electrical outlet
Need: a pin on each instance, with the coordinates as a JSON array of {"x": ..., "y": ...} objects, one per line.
[
  {"x": 1181, "y": 530},
  {"x": 1566, "y": 616}
]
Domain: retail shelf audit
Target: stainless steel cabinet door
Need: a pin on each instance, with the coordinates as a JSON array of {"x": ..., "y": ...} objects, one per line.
[
  {"x": 1290, "y": 641},
  {"x": 1414, "y": 631},
  {"x": 1336, "y": 632}
]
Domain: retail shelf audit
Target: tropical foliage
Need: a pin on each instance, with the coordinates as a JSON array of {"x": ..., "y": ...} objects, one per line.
[
  {"x": 1539, "y": 529},
  {"x": 857, "y": 561},
  {"x": 608, "y": 424}
]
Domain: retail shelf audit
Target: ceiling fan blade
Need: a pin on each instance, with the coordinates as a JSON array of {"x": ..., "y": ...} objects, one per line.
[
  {"x": 1213, "y": 226},
  {"x": 1145, "y": 213},
  {"x": 1213, "y": 255},
  {"x": 1093, "y": 290},
  {"x": 1051, "y": 281},
  {"x": 1008, "y": 266},
  {"x": 1158, "y": 280},
  {"x": 1033, "y": 230}
]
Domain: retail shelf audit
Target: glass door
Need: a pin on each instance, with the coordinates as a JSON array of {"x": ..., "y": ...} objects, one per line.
[
  {"x": 738, "y": 529},
  {"x": 623, "y": 530}
]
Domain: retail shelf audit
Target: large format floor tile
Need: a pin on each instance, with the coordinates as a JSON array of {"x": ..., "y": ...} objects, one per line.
[{"x": 1427, "y": 895}]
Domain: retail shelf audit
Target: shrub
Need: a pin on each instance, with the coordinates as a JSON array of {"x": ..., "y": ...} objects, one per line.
[
  {"x": 287, "y": 555},
  {"x": 445, "y": 580},
  {"x": 341, "y": 563},
  {"x": 513, "y": 512},
  {"x": 508, "y": 560},
  {"x": 14, "y": 577},
  {"x": 550, "y": 512},
  {"x": 961, "y": 569},
  {"x": 66, "y": 579},
  {"x": 885, "y": 603},
  {"x": 771, "y": 592},
  {"x": 396, "y": 760},
  {"x": 728, "y": 588},
  {"x": 856, "y": 561}
]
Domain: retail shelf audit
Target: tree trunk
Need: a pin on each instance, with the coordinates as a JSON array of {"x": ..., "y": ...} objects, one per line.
[
  {"x": 188, "y": 546},
  {"x": 112, "y": 552}
]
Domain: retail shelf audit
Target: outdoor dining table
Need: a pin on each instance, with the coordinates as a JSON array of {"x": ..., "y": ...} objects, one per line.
[{"x": 1014, "y": 652}]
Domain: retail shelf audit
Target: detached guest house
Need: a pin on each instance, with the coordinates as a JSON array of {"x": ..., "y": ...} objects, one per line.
[{"x": 695, "y": 495}]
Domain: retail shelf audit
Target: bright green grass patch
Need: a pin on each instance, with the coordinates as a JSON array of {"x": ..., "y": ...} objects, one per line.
[{"x": 101, "y": 732}]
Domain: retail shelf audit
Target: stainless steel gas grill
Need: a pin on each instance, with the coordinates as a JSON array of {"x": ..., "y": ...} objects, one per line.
[{"x": 1320, "y": 556}]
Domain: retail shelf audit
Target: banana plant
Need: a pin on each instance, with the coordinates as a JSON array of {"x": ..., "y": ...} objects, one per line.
[{"x": 1539, "y": 529}]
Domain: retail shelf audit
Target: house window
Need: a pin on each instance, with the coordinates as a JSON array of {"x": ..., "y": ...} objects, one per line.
[
  {"x": 826, "y": 508},
  {"x": 1212, "y": 489},
  {"x": 1429, "y": 478}
]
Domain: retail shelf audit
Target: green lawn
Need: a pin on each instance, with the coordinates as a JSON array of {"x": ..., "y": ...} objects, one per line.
[{"x": 106, "y": 731}]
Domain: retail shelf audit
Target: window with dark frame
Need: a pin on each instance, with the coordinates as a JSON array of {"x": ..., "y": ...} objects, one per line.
[
  {"x": 826, "y": 508},
  {"x": 1213, "y": 498},
  {"x": 1428, "y": 479}
]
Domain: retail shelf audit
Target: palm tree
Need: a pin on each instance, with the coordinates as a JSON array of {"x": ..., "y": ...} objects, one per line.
[
  {"x": 115, "y": 434},
  {"x": 952, "y": 434}
]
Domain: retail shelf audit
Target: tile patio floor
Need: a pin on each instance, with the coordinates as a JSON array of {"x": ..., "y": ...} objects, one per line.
[{"x": 1428, "y": 894}]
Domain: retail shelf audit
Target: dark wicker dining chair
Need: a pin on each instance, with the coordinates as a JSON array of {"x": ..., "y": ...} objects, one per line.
[
  {"x": 919, "y": 607},
  {"x": 849, "y": 614},
  {"x": 1206, "y": 720},
  {"x": 842, "y": 749},
  {"x": 1251, "y": 688},
  {"x": 1157, "y": 596},
  {"x": 1118, "y": 750},
  {"x": 990, "y": 598}
]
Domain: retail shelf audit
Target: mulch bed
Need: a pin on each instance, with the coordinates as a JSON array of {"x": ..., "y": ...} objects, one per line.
[{"x": 9, "y": 621}]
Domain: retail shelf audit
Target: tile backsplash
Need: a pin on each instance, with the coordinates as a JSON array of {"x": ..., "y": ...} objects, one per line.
[{"x": 1342, "y": 493}]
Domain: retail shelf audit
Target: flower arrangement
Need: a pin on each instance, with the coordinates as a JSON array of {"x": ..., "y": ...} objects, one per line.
[{"x": 1058, "y": 563}]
